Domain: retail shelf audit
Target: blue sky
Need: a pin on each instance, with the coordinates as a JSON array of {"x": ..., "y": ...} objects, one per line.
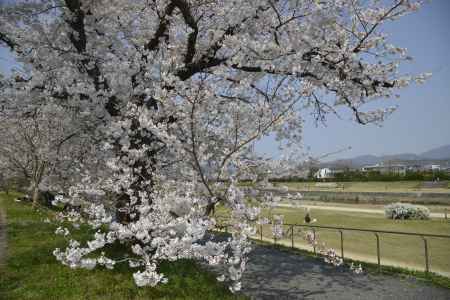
[{"x": 422, "y": 120}]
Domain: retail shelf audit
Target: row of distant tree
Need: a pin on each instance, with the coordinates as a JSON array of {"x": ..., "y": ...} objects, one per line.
[
  {"x": 377, "y": 176},
  {"x": 356, "y": 175},
  {"x": 13, "y": 183}
]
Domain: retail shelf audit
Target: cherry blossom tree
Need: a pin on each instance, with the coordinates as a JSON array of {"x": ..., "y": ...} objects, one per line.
[
  {"x": 175, "y": 93},
  {"x": 41, "y": 146}
]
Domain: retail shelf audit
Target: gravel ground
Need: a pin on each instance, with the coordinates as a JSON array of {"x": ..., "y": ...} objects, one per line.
[{"x": 275, "y": 274}]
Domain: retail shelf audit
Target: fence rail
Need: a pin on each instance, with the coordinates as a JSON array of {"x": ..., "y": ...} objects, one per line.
[{"x": 341, "y": 231}]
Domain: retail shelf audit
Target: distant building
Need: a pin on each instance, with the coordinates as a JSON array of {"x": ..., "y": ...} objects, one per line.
[
  {"x": 435, "y": 167},
  {"x": 326, "y": 173},
  {"x": 386, "y": 168},
  {"x": 431, "y": 167}
]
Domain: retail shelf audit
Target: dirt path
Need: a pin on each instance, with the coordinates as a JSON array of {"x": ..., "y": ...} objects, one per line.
[
  {"x": 349, "y": 209},
  {"x": 360, "y": 257},
  {"x": 2, "y": 237},
  {"x": 275, "y": 274}
]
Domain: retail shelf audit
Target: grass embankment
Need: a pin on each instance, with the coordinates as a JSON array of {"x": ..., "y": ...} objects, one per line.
[
  {"x": 370, "y": 186},
  {"x": 396, "y": 250},
  {"x": 32, "y": 272}
]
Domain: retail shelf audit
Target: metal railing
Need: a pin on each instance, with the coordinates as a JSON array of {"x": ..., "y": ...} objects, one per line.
[{"x": 341, "y": 231}]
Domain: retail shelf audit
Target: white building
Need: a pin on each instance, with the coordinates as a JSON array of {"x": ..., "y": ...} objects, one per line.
[
  {"x": 386, "y": 168},
  {"x": 324, "y": 173},
  {"x": 435, "y": 167}
]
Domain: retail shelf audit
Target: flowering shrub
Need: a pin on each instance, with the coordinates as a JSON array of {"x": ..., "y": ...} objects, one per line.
[
  {"x": 331, "y": 257},
  {"x": 406, "y": 211},
  {"x": 357, "y": 269},
  {"x": 329, "y": 254},
  {"x": 277, "y": 226}
]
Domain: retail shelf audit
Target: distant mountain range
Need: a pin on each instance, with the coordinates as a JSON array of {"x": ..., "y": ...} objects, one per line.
[
  {"x": 438, "y": 154},
  {"x": 442, "y": 152}
]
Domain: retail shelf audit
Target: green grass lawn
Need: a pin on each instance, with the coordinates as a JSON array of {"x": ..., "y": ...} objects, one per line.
[
  {"x": 433, "y": 208},
  {"x": 370, "y": 186},
  {"x": 405, "y": 251},
  {"x": 32, "y": 272}
]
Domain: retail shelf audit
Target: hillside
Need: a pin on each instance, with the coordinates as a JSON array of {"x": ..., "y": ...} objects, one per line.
[
  {"x": 439, "y": 155},
  {"x": 442, "y": 152}
]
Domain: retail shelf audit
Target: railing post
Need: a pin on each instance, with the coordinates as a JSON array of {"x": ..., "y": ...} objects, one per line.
[
  {"x": 314, "y": 240},
  {"x": 260, "y": 232},
  {"x": 378, "y": 252},
  {"x": 342, "y": 245},
  {"x": 427, "y": 264},
  {"x": 226, "y": 229},
  {"x": 292, "y": 236},
  {"x": 445, "y": 213}
]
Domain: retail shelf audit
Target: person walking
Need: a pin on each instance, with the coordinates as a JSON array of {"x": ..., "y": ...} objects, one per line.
[{"x": 308, "y": 218}]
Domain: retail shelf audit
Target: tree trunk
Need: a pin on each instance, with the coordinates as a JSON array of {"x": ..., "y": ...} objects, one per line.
[
  {"x": 35, "y": 197},
  {"x": 142, "y": 173}
]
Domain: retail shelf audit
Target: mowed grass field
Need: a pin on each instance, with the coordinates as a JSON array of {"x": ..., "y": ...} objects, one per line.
[
  {"x": 31, "y": 271},
  {"x": 433, "y": 208},
  {"x": 370, "y": 186},
  {"x": 396, "y": 250}
]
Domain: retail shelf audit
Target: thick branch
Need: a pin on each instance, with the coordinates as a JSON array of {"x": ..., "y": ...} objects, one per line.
[
  {"x": 183, "y": 6},
  {"x": 162, "y": 28},
  {"x": 6, "y": 40}
]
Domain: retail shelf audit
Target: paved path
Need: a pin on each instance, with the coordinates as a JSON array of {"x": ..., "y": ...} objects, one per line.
[
  {"x": 349, "y": 209},
  {"x": 276, "y": 274},
  {"x": 2, "y": 236}
]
